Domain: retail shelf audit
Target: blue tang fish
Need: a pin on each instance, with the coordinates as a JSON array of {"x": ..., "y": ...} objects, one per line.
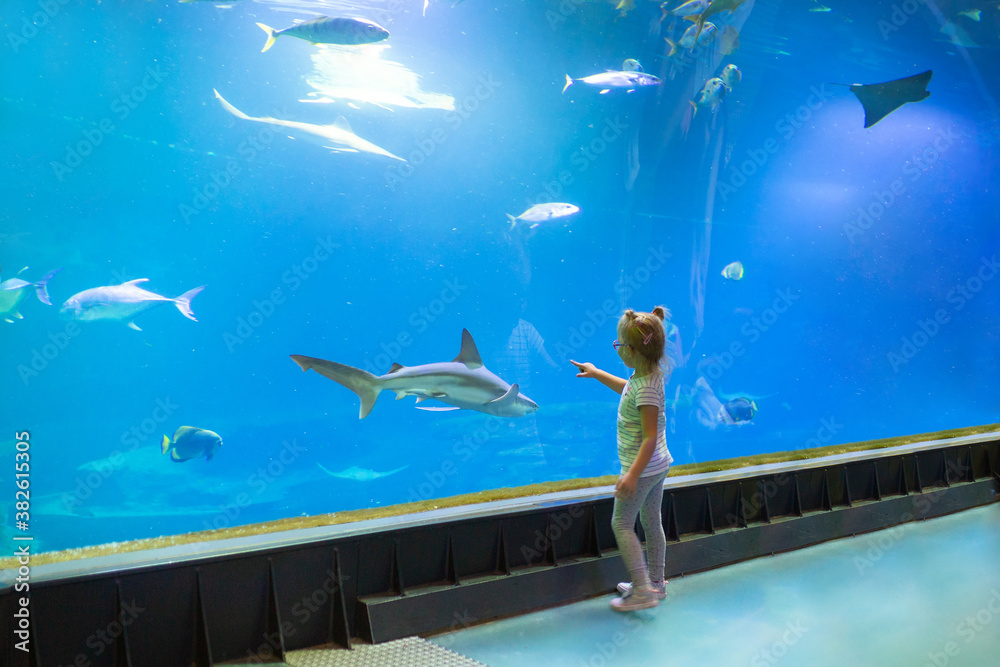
[
  {"x": 191, "y": 443},
  {"x": 737, "y": 411}
]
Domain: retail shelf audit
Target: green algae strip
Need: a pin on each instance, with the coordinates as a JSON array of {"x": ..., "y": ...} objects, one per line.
[{"x": 351, "y": 516}]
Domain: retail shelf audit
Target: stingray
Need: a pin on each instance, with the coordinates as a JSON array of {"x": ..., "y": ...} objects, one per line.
[{"x": 881, "y": 99}]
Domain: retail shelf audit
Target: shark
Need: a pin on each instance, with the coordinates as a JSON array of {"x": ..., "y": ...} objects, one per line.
[
  {"x": 337, "y": 137},
  {"x": 360, "y": 474},
  {"x": 463, "y": 383}
]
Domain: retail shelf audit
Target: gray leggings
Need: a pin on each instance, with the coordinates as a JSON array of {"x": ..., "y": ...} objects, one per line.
[{"x": 645, "y": 503}]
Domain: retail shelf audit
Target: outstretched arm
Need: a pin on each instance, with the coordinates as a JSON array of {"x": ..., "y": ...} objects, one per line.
[{"x": 588, "y": 370}]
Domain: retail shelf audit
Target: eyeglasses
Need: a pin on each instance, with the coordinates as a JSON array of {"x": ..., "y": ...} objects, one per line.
[{"x": 617, "y": 344}]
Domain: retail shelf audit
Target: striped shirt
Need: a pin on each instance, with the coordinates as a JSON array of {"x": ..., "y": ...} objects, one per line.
[{"x": 646, "y": 390}]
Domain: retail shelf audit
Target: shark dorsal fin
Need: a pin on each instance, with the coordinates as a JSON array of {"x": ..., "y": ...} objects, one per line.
[
  {"x": 136, "y": 281},
  {"x": 469, "y": 355},
  {"x": 342, "y": 124},
  {"x": 507, "y": 398},
  {"x": 395, "y": 367}
]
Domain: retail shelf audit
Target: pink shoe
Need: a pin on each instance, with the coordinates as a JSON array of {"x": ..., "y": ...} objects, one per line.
[
  {"x": 625, "y": 588},
  {"x": 635, "y": 601}
]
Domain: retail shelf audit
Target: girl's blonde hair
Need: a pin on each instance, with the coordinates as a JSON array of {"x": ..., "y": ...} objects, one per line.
[{"x": 645, "y": 334}]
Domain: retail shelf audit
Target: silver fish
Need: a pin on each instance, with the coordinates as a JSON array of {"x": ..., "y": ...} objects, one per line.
[
  {"x": 539, "y": 213},
  {"x": 337, "y": 137},
  {"x": 123, "y": 302},
  {"x": 463, "y": 383},
  {"x": 711, "y": 94},
  {"x": 13, "y": 291},
  {"x": 690, "y": 8},
  {"x": 189, "y": 443},
  {"x": 326, "y": 30},
  {"x": 692, "y": 38},
  {"x": 731, "y": 75},
  {"x": 612, "y": 79}
]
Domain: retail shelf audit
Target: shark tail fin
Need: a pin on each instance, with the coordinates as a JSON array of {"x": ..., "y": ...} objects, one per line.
[
  {"x": 271, "y": 36},
  {"x": 569, "y": 82},
  {"x": 362, "y": 383},
  {"x": 40, "y": 291},
  {"x": 183, "y": 302}
]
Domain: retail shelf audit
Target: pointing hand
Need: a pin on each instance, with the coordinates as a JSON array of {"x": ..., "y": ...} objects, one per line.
[{"x": 587, "y": 369}]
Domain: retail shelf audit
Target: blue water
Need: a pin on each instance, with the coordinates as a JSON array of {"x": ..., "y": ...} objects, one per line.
[{"x": 123, "y": 165}]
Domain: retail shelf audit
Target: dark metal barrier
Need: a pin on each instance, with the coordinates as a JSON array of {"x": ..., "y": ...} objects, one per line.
[{"x": 424, "y": 579}]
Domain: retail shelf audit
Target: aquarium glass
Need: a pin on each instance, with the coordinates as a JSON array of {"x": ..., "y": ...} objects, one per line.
[{"x": 520, "y": 170}]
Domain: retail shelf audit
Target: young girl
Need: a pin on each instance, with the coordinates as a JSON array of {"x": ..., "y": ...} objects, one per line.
[{"x": 642, "y": 450}]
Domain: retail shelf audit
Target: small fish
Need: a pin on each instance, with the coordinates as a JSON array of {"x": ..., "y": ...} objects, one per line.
[
  {"x": 625, "y": 6},
  {"x": 690, "y": 8},
  {"x": 123, "y": 302},
  {"x": 821, "y": 9},
  {"x": 631, "y": 65},
  {"x": 711, "y": 94},
  {"x": 326, "y": 30},
  {"x": 612, "y": 79},
  {"x": 731, "y": 75},
  {"x": 733, "y": 271},
  {"x": 692, "y": 38},
  {"x": 974, "y": 14},
  {"x": 737, "y": 411},
  {"x": 360, "y": 474},
  {"x": 13, "y": 291},
  {"x": 191, "y": 443},
  {"x": 729, "y": 41},
  {"x": 540, "y": 213}
]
